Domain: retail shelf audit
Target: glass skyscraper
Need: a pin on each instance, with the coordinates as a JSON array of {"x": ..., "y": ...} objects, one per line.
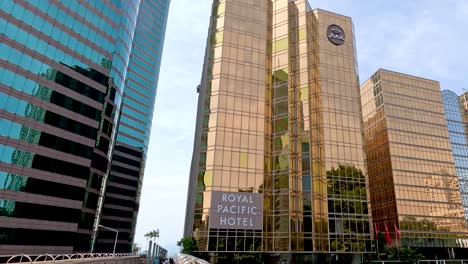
[
  {"x": 278, "y": 163},
  {"x": 455, "y": 115},
  {"x": 64, "y": 69},
  {"x": 123, "y": 188},
  {"x": 412, "y": 177}
]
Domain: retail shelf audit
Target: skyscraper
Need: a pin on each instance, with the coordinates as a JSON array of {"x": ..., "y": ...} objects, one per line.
[
  {"x": 464, "y": 100},
  {"x": 278, "y": 162},
  {"x": 64, "y": 69},
  {"x": 412, "y": 178},
  {"x": 455, "y": 115},
  {"x": 123, "y": 188}
]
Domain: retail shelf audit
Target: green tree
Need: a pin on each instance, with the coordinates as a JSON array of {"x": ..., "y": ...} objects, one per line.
[
  {"x": 188, "y": 244},
  {"x": 345, "y": 184},
  {"x": 411, "y": 223},
  {"x": 445, "y": 236},
  {"x": 247, "y": 258},
  {"x": 347, "y": 196},
  {"x": 406, "y": 254}
]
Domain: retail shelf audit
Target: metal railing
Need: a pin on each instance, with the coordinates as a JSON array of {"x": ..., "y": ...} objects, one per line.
[
  {"x": 64, "y": 258},
  {"x": 188, "y": 259},
  {"x": 448, "y": 261}
]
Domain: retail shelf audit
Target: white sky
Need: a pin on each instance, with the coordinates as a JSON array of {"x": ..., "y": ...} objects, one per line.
[{"x": 426, "y": 38}]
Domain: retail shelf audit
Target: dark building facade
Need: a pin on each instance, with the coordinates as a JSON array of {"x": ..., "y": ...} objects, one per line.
[
  {"x": 123, "y": 188},
  {"x": 63, "y": 71}
]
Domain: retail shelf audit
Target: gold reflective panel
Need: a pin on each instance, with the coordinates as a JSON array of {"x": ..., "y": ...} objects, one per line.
[
  {"x": 280, "y": 45},
  {"x": 280, "y": 116},
  {"x": 412, "y": 177},
  {"x": 345, "y": 190}
]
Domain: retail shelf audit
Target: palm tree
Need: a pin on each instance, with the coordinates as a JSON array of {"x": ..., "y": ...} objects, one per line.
[{"x": 152, "y": 236}]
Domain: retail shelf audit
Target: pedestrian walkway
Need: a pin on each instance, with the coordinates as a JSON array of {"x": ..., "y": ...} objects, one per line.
[{"x": 95, "y": 258}]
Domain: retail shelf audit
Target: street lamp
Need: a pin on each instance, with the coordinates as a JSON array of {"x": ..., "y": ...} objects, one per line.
[{"x": 116, "y": 235}]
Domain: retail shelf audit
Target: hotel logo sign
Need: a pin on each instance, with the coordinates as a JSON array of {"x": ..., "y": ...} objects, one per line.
[
  {"x": 336, "y": 35},
  {"x": 236, "y": 210}
]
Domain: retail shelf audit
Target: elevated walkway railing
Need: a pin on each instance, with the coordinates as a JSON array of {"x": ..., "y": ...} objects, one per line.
[
  {"x": 72, "y": 258},
  {"x": 450, "y": 261},
  {"x": 447, "y": 261}
]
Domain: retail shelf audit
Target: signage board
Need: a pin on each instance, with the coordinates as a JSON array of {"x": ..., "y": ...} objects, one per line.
[
  {"x": 336, "y": 35},
  {"x": 236, "y": 210}
]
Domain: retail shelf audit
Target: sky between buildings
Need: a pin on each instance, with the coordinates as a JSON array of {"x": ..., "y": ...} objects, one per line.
[{"x": 426, "y": 38}]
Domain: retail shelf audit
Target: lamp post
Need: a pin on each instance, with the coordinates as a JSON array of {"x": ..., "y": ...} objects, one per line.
[{"x": 116, "y": 235}]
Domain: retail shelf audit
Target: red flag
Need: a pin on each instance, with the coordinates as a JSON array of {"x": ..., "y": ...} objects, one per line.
[
  {"x": 376, "y": 232},
  {"x": 387, "y": 235},
  {"x": 398, "y": 233}
]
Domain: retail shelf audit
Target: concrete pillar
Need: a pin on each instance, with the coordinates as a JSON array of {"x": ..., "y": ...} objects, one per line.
[{"x": 148, "y": 254}]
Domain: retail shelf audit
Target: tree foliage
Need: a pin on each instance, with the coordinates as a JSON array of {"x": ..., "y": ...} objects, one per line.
[
  {"x": 188, "y": 244},
  {"x": 347, "y": 199},
  {"x": 345, "y": 185},
  {"x": 351, "y": 183},
  {"x": 406, "y": 254},
  {"x": 152, "y": 234}
]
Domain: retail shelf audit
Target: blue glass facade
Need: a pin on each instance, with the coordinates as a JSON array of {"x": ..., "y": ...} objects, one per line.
[
  {"x": 459, "y": 142},
  {"x": 64, "y": 71},
  {"x": 122, "y": 195}
]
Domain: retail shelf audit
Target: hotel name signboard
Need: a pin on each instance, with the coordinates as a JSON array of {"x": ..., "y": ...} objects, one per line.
[{"x": 236, "y": 210}]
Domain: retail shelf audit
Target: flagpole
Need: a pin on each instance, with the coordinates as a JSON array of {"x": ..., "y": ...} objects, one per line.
[
  {"x": 376, "y": 236},
  {"x": 396, "y": 240},
  {"x": 388, "y": 239},
  {"x": 377, "y": 241}
]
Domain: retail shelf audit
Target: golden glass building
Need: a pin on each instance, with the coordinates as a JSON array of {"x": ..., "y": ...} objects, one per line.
[
  {"x": 412, "y": 178},
  {"x": 278, "y": 163}
]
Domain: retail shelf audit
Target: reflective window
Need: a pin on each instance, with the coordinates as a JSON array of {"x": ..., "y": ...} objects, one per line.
[
  {"x": 19, "y": 183},
  {"x": 27, "y": 134},
  {"x": 29, "y": 159},
  {"x": 25, "y": 109}
]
